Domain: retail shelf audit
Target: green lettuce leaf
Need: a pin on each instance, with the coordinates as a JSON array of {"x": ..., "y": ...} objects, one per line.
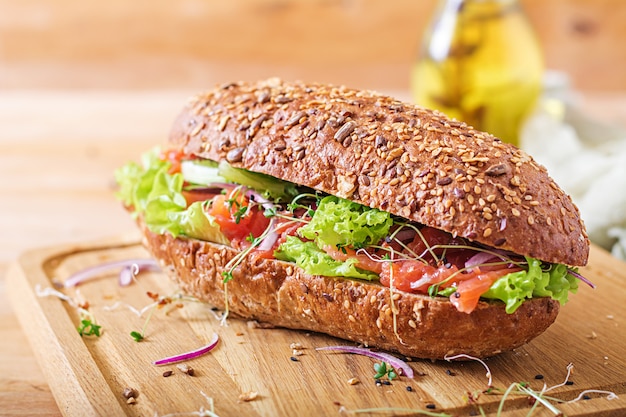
[
  {"x": 338, "y": 222},
  {"x": 157, "y": 195},
  {"x": 135, "y": 181},
  {"x": 315, "y": 261},
  {"x": 513, "y": 289}
]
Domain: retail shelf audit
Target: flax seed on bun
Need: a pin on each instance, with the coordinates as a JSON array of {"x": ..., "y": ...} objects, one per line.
[{"x": 383, "y": 153}]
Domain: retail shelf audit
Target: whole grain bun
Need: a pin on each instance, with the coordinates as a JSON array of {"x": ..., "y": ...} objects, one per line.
[
  {"x": 281, "y": 294},
  {"x": 395, "y": 156}
]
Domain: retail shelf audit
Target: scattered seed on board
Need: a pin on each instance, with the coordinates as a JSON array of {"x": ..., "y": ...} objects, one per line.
[
  {"x": 353, "y": 381},
  {"x": 186, "y": 369},
  {"x": 129, "y": 393},
  {"x": 248, "y": 396}
]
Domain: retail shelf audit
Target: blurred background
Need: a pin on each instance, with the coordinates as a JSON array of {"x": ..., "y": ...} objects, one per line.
[{"x": 141, "y": 44}]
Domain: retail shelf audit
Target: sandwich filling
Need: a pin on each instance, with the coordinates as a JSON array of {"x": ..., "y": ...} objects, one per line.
[{"x": 262, "y": 216}]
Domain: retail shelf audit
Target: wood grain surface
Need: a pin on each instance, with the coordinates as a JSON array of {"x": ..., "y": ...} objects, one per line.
[{"x": 253, "y": 371}]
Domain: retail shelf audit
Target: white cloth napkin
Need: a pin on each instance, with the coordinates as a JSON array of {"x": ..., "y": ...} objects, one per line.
[{"x": 588, "y": 160}]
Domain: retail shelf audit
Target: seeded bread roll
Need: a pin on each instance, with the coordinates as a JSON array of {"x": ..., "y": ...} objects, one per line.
[
  {"x": 398, "y": 157},
  {"x": 280, "y": 293}
]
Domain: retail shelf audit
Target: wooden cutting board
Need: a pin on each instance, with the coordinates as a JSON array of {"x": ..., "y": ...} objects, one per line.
[{"x": 253, "y": 371}]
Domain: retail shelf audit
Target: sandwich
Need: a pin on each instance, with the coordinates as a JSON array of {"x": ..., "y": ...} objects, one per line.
[{"x": 350, "y": 213}]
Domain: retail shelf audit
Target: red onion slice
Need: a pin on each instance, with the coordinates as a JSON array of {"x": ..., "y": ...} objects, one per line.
[
  {"x": 128, "y": 266},
  {"x": 127, "y": 274},
  {"x": 189, "y": 355},
  {"x": 258, "y": 198},
  {"x": 270, "y": 238},
  {"x": 580, "y": 277},
  {"x": 396, "y": 363},
  {"x": 479, "y": 259},
  {"x": 268, "y": 241}
]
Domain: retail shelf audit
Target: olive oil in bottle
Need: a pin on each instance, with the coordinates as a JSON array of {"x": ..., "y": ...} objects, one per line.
[{"x": 480, "y": 64}]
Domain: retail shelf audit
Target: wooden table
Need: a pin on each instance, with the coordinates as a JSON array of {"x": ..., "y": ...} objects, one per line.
[{"x": 58, "y": 150}]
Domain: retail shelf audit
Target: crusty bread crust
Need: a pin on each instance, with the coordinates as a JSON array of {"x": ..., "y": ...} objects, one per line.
[
  {"x": 394, "y": 156},
  {"x": 281, "y": 294}
]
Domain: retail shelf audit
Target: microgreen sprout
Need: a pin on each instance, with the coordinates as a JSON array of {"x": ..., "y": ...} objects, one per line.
[
  {"x": 240, "y": 210},
  {"x": 429, "y": 248},
  {"x": 158, "y": 302},
  {"x": 137, "y": 336},
  {"x": 433, "y": 290},
  {"x": 394, "y": 309},
  {"x": 295, "y": 204},
  {"x": 384, "y": 370},
  {"x": 341, "y": 247},
  {"x": 227, "y": 276},
  {"x": 234, "y": 262},
  {"x": 516, "y": 388},
  {"x": 88, "y": 328},
  {"x": 270, "y": 212},
  {"x": 240, "y": 213},
  {"x": 524, "y": 389},
  {"x": 463, "y": 355}
]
